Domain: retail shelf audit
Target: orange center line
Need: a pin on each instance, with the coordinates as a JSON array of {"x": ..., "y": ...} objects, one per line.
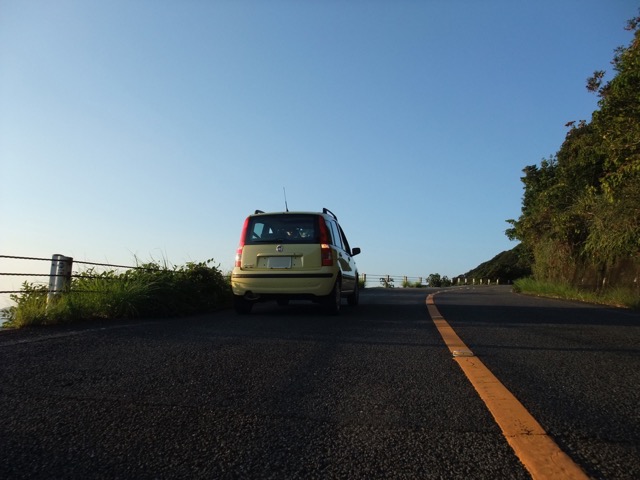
[{"x": 537, "y": 451}]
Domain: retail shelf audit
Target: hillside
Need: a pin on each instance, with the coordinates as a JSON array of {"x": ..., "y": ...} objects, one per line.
[{"x": 506, "y": 266}]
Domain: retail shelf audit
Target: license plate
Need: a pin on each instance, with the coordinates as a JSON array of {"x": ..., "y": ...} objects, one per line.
[{"x": 279, "y": 262}]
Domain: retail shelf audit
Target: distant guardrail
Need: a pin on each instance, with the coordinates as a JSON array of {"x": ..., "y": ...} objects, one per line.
[{"x": 390, "y": 281}]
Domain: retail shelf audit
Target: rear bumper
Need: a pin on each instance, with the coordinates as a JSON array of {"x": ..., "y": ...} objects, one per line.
[{"x": 282, "y": 283}]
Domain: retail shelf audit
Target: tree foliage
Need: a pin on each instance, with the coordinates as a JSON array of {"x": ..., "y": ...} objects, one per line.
[
  {"x": 581, "y": 207},
  {"x": 437, "y": 280}
]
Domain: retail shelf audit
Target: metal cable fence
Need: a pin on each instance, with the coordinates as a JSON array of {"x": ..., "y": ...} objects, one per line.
[
  {"x": 61, "y": 274},
  {"x": 61, "y": 269},
  {"x": 105, "y": 290}
]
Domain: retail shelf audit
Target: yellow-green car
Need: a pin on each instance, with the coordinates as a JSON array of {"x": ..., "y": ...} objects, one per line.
[{"x": 294, "y": 255}]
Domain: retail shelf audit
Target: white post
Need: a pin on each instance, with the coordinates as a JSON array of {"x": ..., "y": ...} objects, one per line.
[{"x": 60, "y": 276}]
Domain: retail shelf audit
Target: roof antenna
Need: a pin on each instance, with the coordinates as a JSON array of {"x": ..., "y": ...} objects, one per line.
[{"x": 285, "y": 199}]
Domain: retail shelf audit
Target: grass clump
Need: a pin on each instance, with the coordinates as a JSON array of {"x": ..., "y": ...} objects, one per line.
[
  {"x": 151, "y": 290},
  {"x": 617, "y": 296},
  {"x": 406, "y": 283}
]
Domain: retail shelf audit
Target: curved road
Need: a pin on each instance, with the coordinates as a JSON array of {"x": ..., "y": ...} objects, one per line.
[{"x": 291, "y": 393}]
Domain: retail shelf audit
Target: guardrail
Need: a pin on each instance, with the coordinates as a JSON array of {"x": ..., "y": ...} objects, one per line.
[{"x": 60, "y": 274}]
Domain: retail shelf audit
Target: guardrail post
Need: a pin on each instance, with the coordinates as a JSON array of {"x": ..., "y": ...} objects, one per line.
[{"x": 60, "y": 276}]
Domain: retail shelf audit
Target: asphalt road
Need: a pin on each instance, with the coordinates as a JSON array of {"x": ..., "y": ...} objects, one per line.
[
  {"x": 292, "y": 393},
  {"x": 575, "y": 367}
]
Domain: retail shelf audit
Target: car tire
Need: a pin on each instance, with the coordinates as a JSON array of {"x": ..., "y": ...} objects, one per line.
[
  {"x": 242, "y": 306},
  {"x": 334, "y": 299},
  {"x": 354, "y": 298}
]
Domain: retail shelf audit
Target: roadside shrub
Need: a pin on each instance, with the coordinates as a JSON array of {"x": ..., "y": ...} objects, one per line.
[
  {"x": 619, "y": 297},
  {"x": 30, "y": 306},
  {"x": 406, "y": 283},
  {"x": 151, "y": 290},
  {"x": 435, "y": 280}
]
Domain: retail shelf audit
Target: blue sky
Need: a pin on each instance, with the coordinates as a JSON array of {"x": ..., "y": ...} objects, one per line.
[{"x": 151, "y": 128}]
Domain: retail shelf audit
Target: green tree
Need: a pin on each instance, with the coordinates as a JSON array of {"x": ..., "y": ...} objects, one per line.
[
  {"x": 581, "y": 207},
  {"x": 614, "y": 227}
]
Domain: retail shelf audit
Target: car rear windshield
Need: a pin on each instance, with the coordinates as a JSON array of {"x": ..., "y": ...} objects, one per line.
[{"x": 283, "y": 228}]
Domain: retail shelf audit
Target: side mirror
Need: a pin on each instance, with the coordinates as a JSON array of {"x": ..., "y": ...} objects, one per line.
[{"x": 355, "y": 251}]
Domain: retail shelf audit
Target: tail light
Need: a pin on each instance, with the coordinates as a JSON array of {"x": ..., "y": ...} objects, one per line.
[
  {"x": 325, "y": 249},
  {"x": 243, "y": 235}
]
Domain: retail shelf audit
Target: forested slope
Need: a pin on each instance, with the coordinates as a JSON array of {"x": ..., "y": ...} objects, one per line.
[
  {"x": 580, "y": 215},
  {"x": 506, "y": 267}
]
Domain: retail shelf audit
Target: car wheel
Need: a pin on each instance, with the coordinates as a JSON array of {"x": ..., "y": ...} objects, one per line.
[
  {"x": 354, "y": 298},
  {"x": 334, "y": 299},
  {"x": 241, "y": 305}
]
